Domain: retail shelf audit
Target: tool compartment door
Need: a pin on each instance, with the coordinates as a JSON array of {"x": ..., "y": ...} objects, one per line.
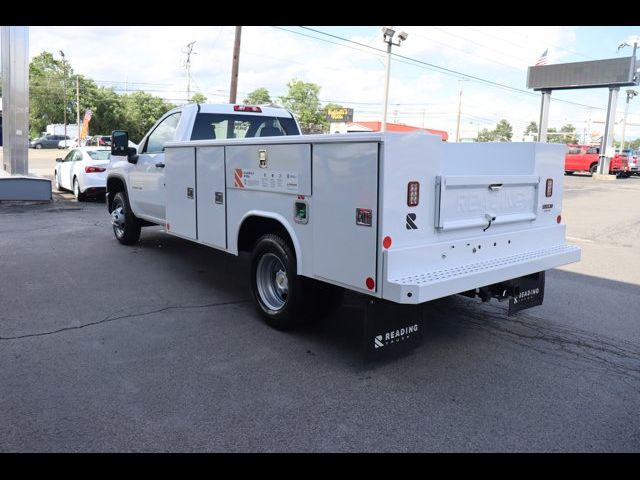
[
  {"x": 471, "y": 201},
  {"x": 211, "y": 196},
  {"x": 180, "y": 188},
  {"x": 345, "y": 185}
]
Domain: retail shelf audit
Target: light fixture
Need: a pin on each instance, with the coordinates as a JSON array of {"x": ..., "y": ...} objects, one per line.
[{"x": 402, "y": 36}]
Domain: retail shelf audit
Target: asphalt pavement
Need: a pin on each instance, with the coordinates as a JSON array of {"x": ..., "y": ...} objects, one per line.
[{"x": 157, "y": 347}]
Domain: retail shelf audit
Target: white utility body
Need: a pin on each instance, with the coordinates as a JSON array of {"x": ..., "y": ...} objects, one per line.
[
  {"x": 448, "y": 252},
  {"x": 402, "y": 217}
]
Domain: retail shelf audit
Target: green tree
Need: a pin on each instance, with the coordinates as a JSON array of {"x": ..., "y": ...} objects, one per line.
[
  {"x": 302, "y": 100},
  {"x": 634, "y": 144},
  {"x": 532, "y": 129},
  {"x": 260, "y": 96},
  {"x": 141, "y": 111},
  {"x": 503, "y": 131},
  {"x": 198, "y": 98},
  {"x": 567, "y": 134},
  {"x": 486, "y": 135},
  {"x": 49, "y": 80}
]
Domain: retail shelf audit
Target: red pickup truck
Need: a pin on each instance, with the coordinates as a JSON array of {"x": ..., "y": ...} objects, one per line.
[{"x": 584, "y": 158}]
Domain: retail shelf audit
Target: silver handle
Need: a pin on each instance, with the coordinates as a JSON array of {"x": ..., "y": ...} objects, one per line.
[{"x": 495, "y": 186}]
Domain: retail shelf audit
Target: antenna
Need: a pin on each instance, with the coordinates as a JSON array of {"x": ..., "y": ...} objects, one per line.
[{"x": 187, "y": 66}]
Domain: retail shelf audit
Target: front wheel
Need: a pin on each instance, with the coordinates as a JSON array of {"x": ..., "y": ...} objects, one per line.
[
  {"x": 126, "y": 226},
  {"x": 593, "y": 168},
  {"x": 56, "y": 181},
  {"x": 275, "y": 284},
  {"x": 38, "y": 146}
]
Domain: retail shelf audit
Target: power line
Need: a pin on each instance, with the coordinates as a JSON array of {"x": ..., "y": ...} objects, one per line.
[{"x": 444, "y": 70}]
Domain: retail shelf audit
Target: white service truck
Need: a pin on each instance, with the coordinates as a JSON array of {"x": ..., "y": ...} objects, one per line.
[{"x": 400, "y": 218}]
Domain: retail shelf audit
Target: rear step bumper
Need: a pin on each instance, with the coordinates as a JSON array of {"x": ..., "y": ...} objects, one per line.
[{"x": 422, "y": 287}]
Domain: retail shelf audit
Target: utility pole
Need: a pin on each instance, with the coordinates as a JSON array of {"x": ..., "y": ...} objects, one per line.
[
  {"x": 459, "y": 111},
  {"x": 78, "y": 106},
  {"x": 187, "y": 66},
  {"x": 630, "y": 95},
  {"x": 233, "y": 91}
]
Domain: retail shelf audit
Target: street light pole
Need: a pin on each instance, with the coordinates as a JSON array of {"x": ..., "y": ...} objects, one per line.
[
  {"x": 387, "y": 37},
  {"x": 630, "y": 95},
  {"x": 64, "y": 93}
]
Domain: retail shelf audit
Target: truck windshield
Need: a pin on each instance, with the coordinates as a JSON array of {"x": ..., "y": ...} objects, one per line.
[{"x": 211, "y": 126}]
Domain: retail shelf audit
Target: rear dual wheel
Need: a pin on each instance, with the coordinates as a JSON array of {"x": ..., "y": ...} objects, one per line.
[{"x": 284, "y": 299}]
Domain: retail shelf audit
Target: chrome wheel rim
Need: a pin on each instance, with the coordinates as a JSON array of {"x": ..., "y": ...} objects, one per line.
[
  {"x": 272, "y": 282},
  {"x": 117, "y": 220}
]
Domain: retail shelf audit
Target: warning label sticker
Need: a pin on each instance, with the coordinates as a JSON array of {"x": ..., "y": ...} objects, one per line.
[{"x": 266, "y": 180}]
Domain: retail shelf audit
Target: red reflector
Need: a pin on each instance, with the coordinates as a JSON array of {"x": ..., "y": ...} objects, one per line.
[
  {"x": 549, "y": 190},
  {"x": 558, "y": 218},
  {"x": 386, "y": 243},
  {"x": 247, "y": 108},
  {"x": 168, "y": 226},
  {"x": 370, "y": 283},
  {"x": 413, "y": 194},
  {"x": 93, "y": 169}
]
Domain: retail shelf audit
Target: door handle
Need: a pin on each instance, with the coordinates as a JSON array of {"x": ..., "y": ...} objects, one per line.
[
  {"x": 495, "y": 186},
  {"x": 160, "y": 165}
]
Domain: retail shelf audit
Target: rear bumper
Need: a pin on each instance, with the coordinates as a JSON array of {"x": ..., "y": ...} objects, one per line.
[{"x": 420, "y": 274}]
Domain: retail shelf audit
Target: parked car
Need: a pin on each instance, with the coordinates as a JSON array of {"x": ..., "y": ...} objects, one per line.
[
  {"x": 47, "y": 141},
  {"x": 634, "y": 164},
  {"x": 584, "y": 158},
  {"x": 83, "y": 172},
  {"x": 99, "y": 141},
  {"x": 73, "y": 143}
]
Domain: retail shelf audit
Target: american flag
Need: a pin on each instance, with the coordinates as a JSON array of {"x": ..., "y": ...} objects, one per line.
[{"x": 543, "y": 58}]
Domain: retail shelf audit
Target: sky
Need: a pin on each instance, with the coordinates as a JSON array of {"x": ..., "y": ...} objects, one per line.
[{"x": 340, "y": 61}]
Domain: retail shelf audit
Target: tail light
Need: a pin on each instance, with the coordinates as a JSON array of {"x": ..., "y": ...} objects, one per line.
[
  {"x": 246, "y": 108},
  {"x": 94, "y": 169},
  {"x": 549, "y": 190}
]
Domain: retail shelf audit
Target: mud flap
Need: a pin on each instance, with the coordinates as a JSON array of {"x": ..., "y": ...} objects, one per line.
[
  {"x": 390, "y": 328},
  {"x": 527, "y": 292}
]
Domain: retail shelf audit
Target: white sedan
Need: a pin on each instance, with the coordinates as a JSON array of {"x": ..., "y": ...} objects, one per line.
[{"x": 83, "y": 171}]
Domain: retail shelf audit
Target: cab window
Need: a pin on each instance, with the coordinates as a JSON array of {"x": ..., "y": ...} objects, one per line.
[
  {"x": 593, "y": 150},
  {"x": 163, "y": 133}
]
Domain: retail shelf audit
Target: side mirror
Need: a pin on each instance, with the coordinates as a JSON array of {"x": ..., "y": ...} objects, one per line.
[
  {"x": 132, "y": 155},
  {"x": 120, "y": 142},
  {"x": 58, "y": 159}
]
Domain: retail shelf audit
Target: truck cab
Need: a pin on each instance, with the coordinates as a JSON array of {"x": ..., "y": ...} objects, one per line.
[{"x": 141, "y": 173}]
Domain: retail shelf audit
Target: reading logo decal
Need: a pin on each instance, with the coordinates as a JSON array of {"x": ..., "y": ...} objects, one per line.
[{"x": 394, "y": 336}]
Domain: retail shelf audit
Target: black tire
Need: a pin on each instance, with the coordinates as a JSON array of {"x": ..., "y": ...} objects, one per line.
[
  {"x": 568, "y": 172},
  {"x": 38, "y": 146},
  {"x": 56, "y": 181},
  {"x": 80, "y": 197},
  {"x": 593, "y": 168},
  {"x": 126, "y": 226},
  {"x": 275, "y": 285}
]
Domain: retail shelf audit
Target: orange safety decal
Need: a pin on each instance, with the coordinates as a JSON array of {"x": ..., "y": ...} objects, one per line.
[{"x": 238, "y": 178}]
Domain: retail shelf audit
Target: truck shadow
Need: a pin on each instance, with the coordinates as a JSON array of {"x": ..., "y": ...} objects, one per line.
[{"x": 561, "y": 325}]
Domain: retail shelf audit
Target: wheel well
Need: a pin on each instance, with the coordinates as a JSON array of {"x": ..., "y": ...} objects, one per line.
[
  {"x": 254, "y": 227},
  {"x": 114, "y": 185}
]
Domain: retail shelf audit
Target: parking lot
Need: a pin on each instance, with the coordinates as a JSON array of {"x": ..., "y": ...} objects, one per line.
[{"x": 157, "y": 347}]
